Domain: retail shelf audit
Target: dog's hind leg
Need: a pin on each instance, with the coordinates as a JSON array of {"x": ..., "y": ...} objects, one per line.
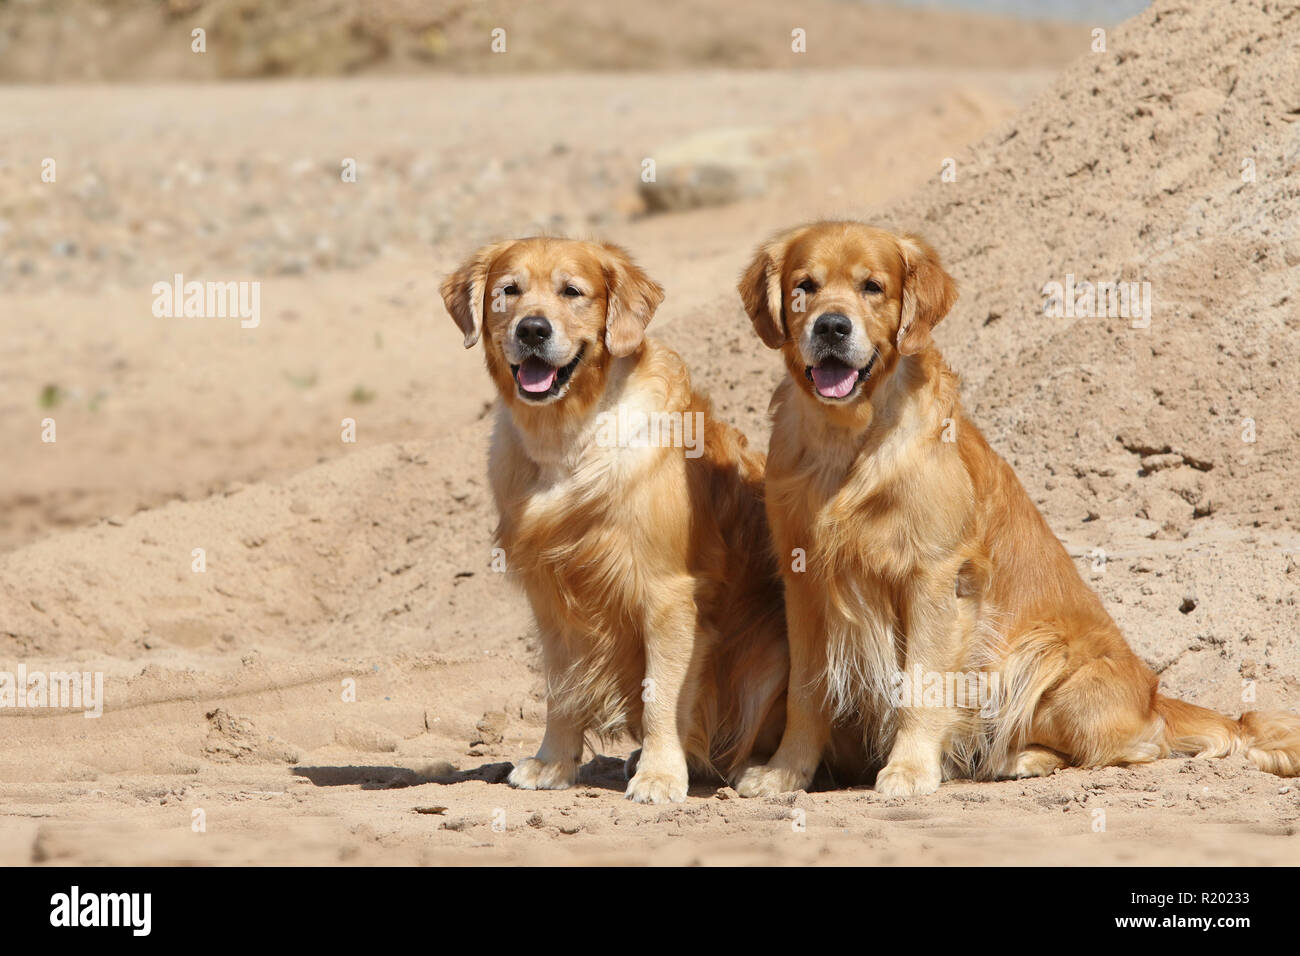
[
  {"x": 1036, "y": 761},
  {"x": 1098, "y": 712}
]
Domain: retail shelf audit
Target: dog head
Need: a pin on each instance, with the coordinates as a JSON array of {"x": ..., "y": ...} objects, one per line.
[
  {"x": 551, "y": 313},
  {"x": 844, "y": 301}
]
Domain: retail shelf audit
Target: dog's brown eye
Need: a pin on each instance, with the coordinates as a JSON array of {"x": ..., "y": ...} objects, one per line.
[
  {"x": 807, "y": 286},
  {"x": 871, "y": 287},
  {"x": 571, "y": 292},
  {"x": 511, "y": 289}
]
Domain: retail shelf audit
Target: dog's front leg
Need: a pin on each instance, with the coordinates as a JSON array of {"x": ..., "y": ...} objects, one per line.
[
  {"x": 935, "y": 638},
  {"x": 916, "y": 760},
  {"x": 556, "y": 765},
  {"x": 673, "y": 663},
  {"x": 807, "y": 726}
]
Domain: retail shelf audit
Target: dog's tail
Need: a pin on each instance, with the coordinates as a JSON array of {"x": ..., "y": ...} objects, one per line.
[{"x": 1271, "y": 739}]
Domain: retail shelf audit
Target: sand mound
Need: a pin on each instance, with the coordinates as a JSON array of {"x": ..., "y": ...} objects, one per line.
[{"x": 1173, "y": 160}]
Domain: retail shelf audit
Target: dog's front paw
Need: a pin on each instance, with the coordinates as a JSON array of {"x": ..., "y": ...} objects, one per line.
[
  {"x": 907, "y": 780},
  {"x": 649, "y": 786},
  {"x": 767, "y": 780},
  {"x": 533, "y": 774}
]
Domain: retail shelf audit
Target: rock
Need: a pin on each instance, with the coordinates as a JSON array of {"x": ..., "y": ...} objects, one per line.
[
  {"x": 1152, "y": 463},
  {"x": 490, "y": 729},
  {"x": 234, "y": 739},
  {"x": 1170, "y": 512},
  {"x": 717, "y": 167}
]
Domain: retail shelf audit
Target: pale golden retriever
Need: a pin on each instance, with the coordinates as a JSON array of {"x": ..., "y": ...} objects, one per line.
[
  {"x": 935, "y": 602},
  {"x": 633, "y": 519}
]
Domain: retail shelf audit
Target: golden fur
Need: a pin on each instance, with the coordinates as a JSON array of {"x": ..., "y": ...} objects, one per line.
[
  {"x": 649, "y": 572},
  {"x": 926, "y": 556}
]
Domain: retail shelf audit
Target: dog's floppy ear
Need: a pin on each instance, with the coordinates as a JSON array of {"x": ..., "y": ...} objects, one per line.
[
  {"x": 463, "y": 290},
  {"x": 760, "y": 290},
  {"x": 631, "y": 298},
  {"x": 928, "y": 293}
]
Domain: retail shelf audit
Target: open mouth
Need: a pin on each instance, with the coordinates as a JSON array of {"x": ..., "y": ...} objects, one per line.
[
  {"x": 835, "y": 380},
  {"x": 537, "y": 379}
]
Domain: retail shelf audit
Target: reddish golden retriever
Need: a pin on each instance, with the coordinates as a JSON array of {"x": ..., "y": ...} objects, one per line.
[
  {"x": 925, "y": 556},
  {"x": 645, "y": 555}
]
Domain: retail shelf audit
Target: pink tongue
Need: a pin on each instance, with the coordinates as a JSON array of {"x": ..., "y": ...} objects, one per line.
[
  {"x": 535, "y": 375},
  {"x": 834, "y": 380}
]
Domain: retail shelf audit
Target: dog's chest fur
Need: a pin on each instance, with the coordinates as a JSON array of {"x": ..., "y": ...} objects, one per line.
[
  {"x": 871, "y": 511},
  {"x": 876, "y": 506},
  {"x": 580, "y": 532},
  {"x": 569, "y": 512}
]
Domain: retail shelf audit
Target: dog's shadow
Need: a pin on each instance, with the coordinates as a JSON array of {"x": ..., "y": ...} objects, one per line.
[
  {"x": 601, "y": 772},
  {"x": 384, "y": 778}
]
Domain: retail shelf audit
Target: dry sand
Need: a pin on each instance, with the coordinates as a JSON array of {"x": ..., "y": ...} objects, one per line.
[
  {"x": 330, "y": 563},
  {"x": 80, "y": 40}
]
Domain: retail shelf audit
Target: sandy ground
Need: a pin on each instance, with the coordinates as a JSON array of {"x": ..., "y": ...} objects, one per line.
[
  {"x": 332, "y": 566},
  {"x": 87, "y": 40}
]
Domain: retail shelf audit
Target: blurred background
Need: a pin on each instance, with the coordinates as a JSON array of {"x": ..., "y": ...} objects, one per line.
[
  {"x": 147, "y": 40},
  {"x": 226, "y": 164}
]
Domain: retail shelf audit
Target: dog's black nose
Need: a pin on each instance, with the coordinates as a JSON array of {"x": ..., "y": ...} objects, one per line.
[
  {"x": 832, "y": 327},
  {"x": 533, "y": 329}
]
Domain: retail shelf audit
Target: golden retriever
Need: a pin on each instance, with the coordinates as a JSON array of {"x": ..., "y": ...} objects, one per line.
[
  {"x": 927, "y": 565},
  {"x": 633, "y": 519}
]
